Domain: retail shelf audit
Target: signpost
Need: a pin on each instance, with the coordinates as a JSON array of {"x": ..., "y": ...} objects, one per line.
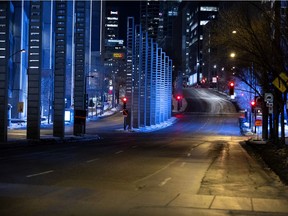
[{"x": 125, "y": 114}]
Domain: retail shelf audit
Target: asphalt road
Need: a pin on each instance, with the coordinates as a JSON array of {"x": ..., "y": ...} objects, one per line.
[{"x": 194, "y": 167}]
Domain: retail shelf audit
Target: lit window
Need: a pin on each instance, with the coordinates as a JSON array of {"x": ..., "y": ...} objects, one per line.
[
  {"x": 208, "y": 8},
  {"x": 203, "y": 22}
]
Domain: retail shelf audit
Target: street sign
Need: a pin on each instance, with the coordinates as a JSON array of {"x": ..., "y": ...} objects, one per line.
[
  {"x": 279, "y": 84},
  {"x": 268, "y": 98},
  {"x": 125, "y": 112},
  {"x": 258, "y": 122},
  {"x": 284, "y": 77},
  {"x": 270, "y": 109}
]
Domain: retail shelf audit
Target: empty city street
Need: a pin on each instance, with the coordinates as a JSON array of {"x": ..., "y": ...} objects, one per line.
[{"x": 196, "y": 166}]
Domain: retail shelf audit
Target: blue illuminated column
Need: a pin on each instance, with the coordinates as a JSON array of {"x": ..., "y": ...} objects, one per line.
[
  {"x": 130, "y": 56},
  {"x": 79, "y": 72},
  {"x": 149, "y": 86},
  {"x": 60, "y": 68},
  {"x": 158, "y": 86},
  {"x": 170, "y": 89},
  {"x": 153, "y": 74},
  {"x": 34, "y": 70},
  {"x": 149, "y": 79},
  {"x": 137, "y": 77}
]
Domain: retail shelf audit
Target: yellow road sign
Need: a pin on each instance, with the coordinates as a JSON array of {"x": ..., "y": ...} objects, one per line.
[
  {"x": 284, "y": 77},
  {"x": 279, "y": 84}
]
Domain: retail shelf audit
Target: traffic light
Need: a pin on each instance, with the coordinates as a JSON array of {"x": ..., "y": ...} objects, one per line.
[
  {"x": 179, "y": 102},
  {"x": 124, "y": 102},
  {"x": 231, "y": 88},
  {"x": 253, "y": 105}
]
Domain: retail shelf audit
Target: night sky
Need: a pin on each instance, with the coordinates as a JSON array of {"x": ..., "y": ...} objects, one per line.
[{"x": 126, "y": 9}]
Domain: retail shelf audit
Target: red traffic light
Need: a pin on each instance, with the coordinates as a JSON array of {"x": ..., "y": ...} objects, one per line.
[
  {"x": 253, "y": 103},
  {"x": 124, "y": 99},
  {"x": 178, "y": 97},
  {"x": 231, "y": 88}
]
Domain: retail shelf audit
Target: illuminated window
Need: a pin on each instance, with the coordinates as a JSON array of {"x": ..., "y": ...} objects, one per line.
[
  {"x": 203, "y": 22},
  {"x": 208, "y": 8}
]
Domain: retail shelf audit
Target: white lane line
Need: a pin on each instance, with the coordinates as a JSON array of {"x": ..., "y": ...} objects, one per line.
[
  {"x": 118, "y": 152},
  {"x": 156, "y": 172},
  {"x": 92, "y": 160},
  {"x": 183, "y": 164},
  {"x": 42, "y": 173},
  {"x": 165, "y": 181}
]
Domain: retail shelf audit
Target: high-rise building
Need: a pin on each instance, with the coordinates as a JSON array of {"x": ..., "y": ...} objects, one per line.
[
  {"x": 195, "y": 15},
  {"x": 113, "y": 55},
  {"x": 157, "y": 18},
  {"x": 150, "y": 18},
  {"x": 113, "y": 44}
]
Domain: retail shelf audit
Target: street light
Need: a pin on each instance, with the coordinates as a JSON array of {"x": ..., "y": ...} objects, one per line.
[
  {"x": 232, "y": 54},
  {"x": 19, "y": 51}
]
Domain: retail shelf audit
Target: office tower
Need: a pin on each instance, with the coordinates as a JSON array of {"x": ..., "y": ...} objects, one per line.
[
  {"x": 114, "y": 56},
  {"x": 150, "y": 18},
  {"x": 195, "y": 15}
]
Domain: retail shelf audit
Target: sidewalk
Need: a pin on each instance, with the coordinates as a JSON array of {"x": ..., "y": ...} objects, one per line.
[
  {"x": 17, "y": 133},
  {"x": 185, "y": 203}
]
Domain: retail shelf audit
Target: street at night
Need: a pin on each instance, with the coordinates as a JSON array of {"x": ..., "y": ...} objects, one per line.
[
  {"x": 143, "y": 108},
  {"x": 196, "y": 166}
]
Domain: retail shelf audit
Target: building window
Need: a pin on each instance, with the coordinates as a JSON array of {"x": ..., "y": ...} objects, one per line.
[
  {"x": 208, "y": 8},
  {"x": 203, "y": 22}
]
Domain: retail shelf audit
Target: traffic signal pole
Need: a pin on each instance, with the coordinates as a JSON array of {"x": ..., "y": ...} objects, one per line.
[{"x": 125, "y": 113}]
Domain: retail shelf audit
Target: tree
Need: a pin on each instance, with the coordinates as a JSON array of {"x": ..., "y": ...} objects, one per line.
[{"x": 255, "y": 33}]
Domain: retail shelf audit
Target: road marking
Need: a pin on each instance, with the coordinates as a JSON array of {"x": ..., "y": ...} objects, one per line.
[
  {"x": 118, "y": 152},
  {"x": 183, "y": 164},
  {"x": 189, "y": 154},
  {"x": 158, "y": 171},
  {"x": 165, "y": 181},
  {"x": 42, "y": 173},
  {"x": 92, "y": 160}
]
